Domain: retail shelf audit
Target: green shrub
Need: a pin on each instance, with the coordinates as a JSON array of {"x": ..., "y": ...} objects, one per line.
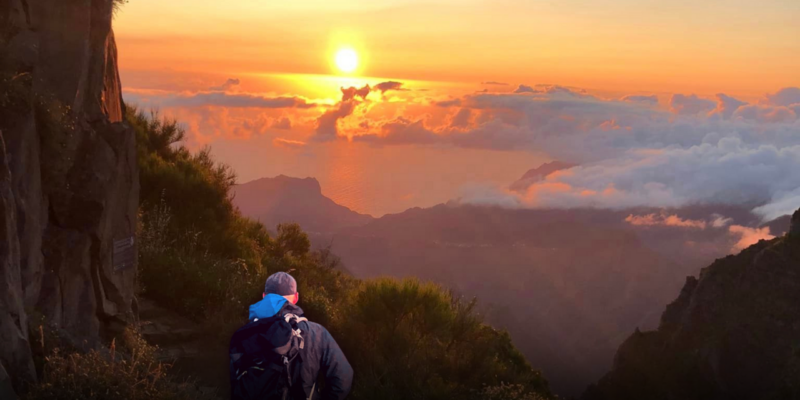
[
  {"x": 412, "y": 340},
  {"x": 129, "y": 371}
]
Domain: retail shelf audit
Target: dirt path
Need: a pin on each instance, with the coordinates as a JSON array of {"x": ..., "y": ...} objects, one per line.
[{"x": 182, "y": 344}]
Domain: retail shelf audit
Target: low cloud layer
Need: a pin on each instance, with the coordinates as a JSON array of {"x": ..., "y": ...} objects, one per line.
[
  {"x": 215, "y": 99},
  {"x": 720, "y": 150},
  {"x": 228, "y": 85},
  {"x": 633, "y": 151}
]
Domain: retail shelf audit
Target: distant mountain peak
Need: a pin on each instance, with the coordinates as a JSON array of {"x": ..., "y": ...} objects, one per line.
[
  {"x": 308, "y": 183},
  {"x": 288, "y": 199},
  {"x": 538, "y": 174}
]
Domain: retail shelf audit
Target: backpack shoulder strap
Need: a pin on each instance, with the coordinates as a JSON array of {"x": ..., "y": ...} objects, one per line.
[{"x": 293, "y": 320}]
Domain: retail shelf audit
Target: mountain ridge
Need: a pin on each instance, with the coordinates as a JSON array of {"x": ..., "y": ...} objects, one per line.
[
  {"x": 284, "y": 199},
  {"x": 731, "y": 333}
]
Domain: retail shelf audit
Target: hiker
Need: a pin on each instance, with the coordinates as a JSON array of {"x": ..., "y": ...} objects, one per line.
[{"x": 279, "y": 354}]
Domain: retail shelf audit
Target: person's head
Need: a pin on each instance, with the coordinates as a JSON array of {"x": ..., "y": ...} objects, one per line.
[{"x": 282, "y": 284}]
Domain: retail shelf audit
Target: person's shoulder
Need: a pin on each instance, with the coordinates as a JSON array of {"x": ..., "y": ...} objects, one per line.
[{"x": 315, "y": 327}]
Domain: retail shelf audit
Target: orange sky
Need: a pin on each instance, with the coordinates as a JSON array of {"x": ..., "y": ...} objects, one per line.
[
  {"x": 738, "y": 46},
  {"x": 256, "y": 80}
]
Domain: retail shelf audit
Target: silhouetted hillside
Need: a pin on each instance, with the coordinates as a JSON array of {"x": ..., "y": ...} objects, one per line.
[
  {"x": 284, "y": 199},
  {"x": 568, "y": 284},
  {"x": 732, "y": 333}
]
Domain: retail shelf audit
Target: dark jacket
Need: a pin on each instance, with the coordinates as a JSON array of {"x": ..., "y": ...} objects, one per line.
[{"x": 320, "y": 360}]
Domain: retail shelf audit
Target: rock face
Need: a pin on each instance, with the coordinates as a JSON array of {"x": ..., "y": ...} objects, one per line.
[
  {"x": 68, "y": 177},
  {"x": 734, "y": 333}
]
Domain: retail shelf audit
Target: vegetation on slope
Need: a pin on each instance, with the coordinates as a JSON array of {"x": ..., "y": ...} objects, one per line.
[
  {"x": 405, "y": 339},
  {"x": 731, "y": 333}
]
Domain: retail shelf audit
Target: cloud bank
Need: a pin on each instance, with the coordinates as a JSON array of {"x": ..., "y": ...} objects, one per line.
[{"x": 631, "y": 154}]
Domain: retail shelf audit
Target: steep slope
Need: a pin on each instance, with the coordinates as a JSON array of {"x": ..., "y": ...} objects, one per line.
[
  {"x": 69, "y": 177},
  {"x": 284, "y": 199},
  {"x": 733, "y": 333}
]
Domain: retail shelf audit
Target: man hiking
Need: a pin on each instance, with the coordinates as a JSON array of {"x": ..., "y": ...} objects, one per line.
[{"x": 281, "y": 355}]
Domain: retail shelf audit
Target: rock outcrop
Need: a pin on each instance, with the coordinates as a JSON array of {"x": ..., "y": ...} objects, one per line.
[
  {"x": 285, "y": 199},
  {"x": 68, "y": 177},
  {"x": 734, "y": 333}
]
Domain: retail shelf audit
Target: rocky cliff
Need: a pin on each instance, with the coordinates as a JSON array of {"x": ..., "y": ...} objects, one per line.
[
  {"x": 68, "y": 175},
  {"x": 732, "y": 333}
]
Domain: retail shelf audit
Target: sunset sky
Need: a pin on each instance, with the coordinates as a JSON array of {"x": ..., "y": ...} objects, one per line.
[{"x": 467, "y": 95}]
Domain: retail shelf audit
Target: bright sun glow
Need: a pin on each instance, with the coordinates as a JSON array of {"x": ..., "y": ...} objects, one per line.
[{"x": 347, "y": 60}]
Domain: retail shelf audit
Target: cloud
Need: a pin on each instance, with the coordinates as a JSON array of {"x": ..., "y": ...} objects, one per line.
[
  {"x": 766, "y": 114},
  {"x": 690, "y": 105},
  {"x": 630, "y": 153},
  {"x": 448, "y": 103},
  {"x": 401, "y": 131},
  {"x": 351, "y": 93},
  {"x": 525, "y": 89},
  {"x": 720, "y": 221},
  {"x": 727, "y": 105},
  {"x": 784, "y": 97},
  {"x": 749, "y": 236},
  {"x": 327, "y": 123},
  {"x": 389, "y": 85},
  {"x": 215, "y": 99},
  {"x": 281, "y": 142},
  {"x": 229, "y": 84},
  {"x": 282, "y": 123},
  {"x": 494, "y": 83},
  {"x": 461, "y": 119},
  {"x": 646, "y": 100},
  {"x": 785, "y": 202},
  {"x": 665, "y": 220}
]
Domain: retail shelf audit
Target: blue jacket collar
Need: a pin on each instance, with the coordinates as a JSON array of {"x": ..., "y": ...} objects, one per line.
[{"x": 268, "y": 307}]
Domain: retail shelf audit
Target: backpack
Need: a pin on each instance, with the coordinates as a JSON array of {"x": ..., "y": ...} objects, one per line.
[{"x": 261, "y": 356}]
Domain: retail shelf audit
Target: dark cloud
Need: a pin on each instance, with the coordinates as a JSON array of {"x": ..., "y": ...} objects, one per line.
[
  {"x": 327, "y": 123},
  {"x": 525, "y": 89},
  {"x": 648, "y": 100},
  {"x": 290, "y": 143},
  {"x": 351, "y": 93},
  {"x": 448, "y": 103},
  {"x": 494, "y": 83},
  {"x": 229, "y": 84},
  {"x": 691, "y": 104},
  {"x": 766, "y": 114},
  {"x": 218, "y": 99},
  {"x": 282, "y": 123},
  {"x": 401, "y": 131},
  {"x": 784, "y": 97},
  {"x": 389, "y": 85},
  {"x": 727, "y": 105},
  {"x": 461, "y": 119}
]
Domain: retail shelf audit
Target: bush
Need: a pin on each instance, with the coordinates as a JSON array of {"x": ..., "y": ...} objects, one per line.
[
  {"x": 128, "y": 372},
  {"x": 412, "y": 340}
]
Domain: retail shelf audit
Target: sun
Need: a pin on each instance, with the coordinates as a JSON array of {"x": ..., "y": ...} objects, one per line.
[{"x": 346, "y": 60}]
